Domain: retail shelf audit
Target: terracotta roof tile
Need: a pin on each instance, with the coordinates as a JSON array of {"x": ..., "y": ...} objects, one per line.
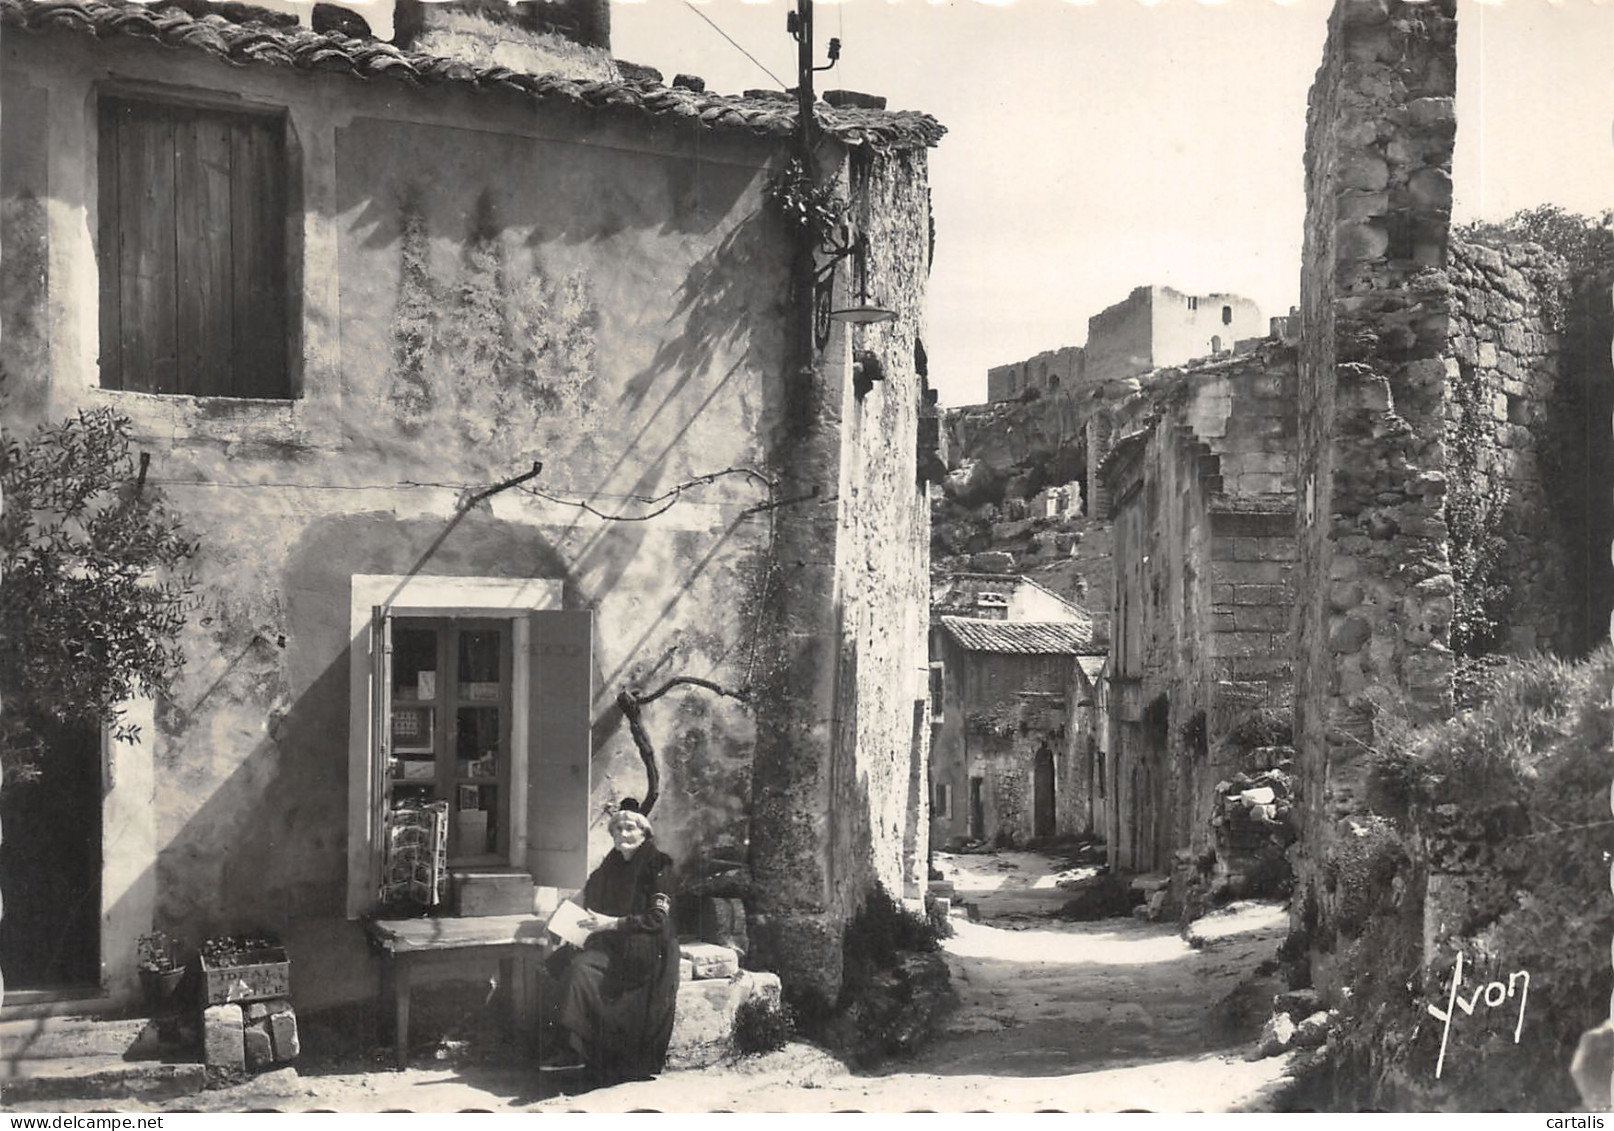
[
  {"x": 1032, "y": 638},
  {"x": 304, "y": 50}
]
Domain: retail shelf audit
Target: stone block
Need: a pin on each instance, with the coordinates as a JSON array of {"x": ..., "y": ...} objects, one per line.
[
  {"x": 1365, "y": 240},
  {"x": 711, "y": 961},
  {"x": 223, "y": 1042},
  {"x": 1261, "y": 483},
  {"x": 1277, "y": 1035},
  {"x": 1312, "y": 1032},
  {"x": 1260, "y": 618},
  {"x": 258, "y": 1010},
  {"x": 1297, "y": 1003},
  {"x": 1261, "y": 595},
  {"x": 1248, "y": 644},
  {"x": 283, "y": 1032},
  {"x": 686, "y": 970},
  {"x": 259, "y": 1048},
  {"x": 1349, "y": 636},
  {"x": 703, "y": 1026}
]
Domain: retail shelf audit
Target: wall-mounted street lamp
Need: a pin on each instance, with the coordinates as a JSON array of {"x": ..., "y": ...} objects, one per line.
[
  {"x": 843, "y": 243},
  {"x": 860, "y": 313}
]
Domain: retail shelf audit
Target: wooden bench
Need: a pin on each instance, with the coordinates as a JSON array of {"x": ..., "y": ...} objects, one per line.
[{"x": 466, "y": 947}]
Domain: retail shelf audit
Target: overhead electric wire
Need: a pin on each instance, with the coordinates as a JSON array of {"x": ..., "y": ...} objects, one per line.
[{"x": 737, "y": 47}]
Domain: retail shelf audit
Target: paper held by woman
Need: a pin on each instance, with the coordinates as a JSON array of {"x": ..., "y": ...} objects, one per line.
[{"x": 566, "y": 923}]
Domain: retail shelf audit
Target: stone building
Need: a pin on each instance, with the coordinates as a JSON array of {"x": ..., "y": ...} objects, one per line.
[
  {"x": 1153, "y": 327},
  {"x": 1014, "y": 744},
  {"x": 444, "y": 268},
  {"x": 1202, "y": 482}
]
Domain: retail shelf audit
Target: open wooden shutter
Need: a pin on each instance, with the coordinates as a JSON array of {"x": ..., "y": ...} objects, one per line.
[
  {"x": 559, "y": 720},
  {"x": 380, "y": 735}
]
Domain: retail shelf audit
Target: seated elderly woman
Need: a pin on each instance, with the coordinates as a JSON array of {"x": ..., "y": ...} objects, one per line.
[{"x": 616, "y": 995}]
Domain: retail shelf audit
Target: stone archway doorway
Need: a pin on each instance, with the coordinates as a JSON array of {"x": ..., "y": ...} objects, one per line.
[{"x": 1043, "y": 809}]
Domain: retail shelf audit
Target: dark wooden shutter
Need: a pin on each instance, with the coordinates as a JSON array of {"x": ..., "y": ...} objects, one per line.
[
  {"x": 144, "y": 242},
  {"x": 258, "y": 225},
  {"x": 203, "y": 287},
  {"x": 192, "y": 250},
  {"x": 559, "y": 720}
]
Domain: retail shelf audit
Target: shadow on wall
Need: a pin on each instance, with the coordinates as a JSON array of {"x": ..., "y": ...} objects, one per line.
[{"x": 1584, "y": 458}]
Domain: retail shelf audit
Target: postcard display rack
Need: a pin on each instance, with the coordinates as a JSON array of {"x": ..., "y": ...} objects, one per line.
[{"x": 416, "y": 868}]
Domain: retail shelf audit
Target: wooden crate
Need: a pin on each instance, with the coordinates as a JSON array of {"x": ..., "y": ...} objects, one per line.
[{"x": 266, "y": 976}]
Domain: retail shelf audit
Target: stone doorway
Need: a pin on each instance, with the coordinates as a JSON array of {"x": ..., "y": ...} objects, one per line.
[
  {"x": 1042, "y": 822},
  {"x": 50, "y": 866}
]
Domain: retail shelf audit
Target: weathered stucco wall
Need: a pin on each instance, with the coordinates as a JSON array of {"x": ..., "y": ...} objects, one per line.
[
  {"x": 1374, "y": 583},
  {"x": 842, "y": 709},
  {"x": 607, "y": 298}
]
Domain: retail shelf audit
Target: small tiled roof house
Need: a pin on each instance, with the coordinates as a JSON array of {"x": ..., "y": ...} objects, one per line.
[{"x": 1014, "y": 755}]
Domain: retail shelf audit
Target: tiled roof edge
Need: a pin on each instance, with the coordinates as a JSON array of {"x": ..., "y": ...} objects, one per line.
[{"x": 305, "y": 50}]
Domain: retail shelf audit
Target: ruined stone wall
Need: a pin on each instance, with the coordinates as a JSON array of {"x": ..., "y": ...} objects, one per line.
[
  {"x": 1503, "y": 435},
  {"x": 1057, "y": 372},
  {"x": 1205, "y": 547},
  {"x": 1120, "y": 337},
  {"x": 1374, "y": 583}
]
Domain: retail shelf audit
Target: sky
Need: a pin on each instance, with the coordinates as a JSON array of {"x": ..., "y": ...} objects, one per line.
[{"x": 1095, "y": 147}]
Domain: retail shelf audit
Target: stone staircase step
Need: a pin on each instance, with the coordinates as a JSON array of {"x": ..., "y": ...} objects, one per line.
[
  {"x": 492, "y": 891},
  {"x": 47, "y": 1038},
  {"x": 96, "y": 1077}
]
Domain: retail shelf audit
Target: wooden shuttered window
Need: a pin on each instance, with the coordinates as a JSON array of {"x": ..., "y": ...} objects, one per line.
[{"x": 192, "y": 250}]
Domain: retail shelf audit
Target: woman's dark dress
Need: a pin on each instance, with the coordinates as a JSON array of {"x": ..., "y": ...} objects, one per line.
[{"x": 621, "y": 989}]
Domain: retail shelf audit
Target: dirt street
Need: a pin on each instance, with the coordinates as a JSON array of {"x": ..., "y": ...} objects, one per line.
[{"x": 1101, "y": 1016}]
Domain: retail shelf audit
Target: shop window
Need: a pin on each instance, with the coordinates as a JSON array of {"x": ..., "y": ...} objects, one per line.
[
  {"x": 192, "y": 249},
  {"x": 450, "y": 730},
  {"x": 469, "y": 735}
]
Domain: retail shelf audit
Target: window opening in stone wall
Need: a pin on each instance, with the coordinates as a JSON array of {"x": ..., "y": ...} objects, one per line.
[
  {"x": 450, "y": 728},
  {"x": 1193, "y": 304},
  {"x": 938, "y": 689},
  {"x": 1227, "y": 316},
  {"x": 944, "y": 799},
  {"x": 1216, "y": 343},
  {"x": 192, "y": 250}
]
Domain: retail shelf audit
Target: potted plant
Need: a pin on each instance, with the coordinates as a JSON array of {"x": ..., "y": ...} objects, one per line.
[{"x": 160, "y": 970}]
